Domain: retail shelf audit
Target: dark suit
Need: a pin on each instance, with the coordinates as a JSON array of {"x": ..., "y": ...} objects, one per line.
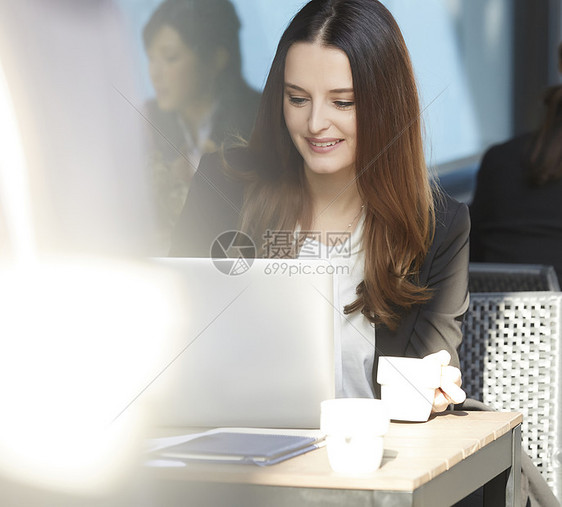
[
  {"x": 213, "y": 206},
  {"x": 513, "y": 221},
  {"x": 235, "y": 115}
]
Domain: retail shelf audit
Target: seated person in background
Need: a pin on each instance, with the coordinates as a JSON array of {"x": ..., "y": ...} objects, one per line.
[
  {"x": 516, "y": 212},
  {"x": 201, "y": 99},
  {"x": 337, "y": 154}
]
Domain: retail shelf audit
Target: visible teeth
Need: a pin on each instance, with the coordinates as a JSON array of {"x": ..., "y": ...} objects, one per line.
[{"x": 322, "y": 145}]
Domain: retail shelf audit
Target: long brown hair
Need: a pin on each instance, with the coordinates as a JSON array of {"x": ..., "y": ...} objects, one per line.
[
  {"x": 545, "y": 160},
  {"x": 391, "y": 174}
]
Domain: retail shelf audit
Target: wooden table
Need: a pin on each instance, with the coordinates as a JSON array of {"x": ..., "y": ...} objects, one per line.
[{"x": 436, "y": 463}]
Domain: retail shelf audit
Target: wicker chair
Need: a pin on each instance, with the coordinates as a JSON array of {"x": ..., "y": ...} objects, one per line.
[
  {"x": 511, "y": 360},
  {"x": 492, "y": 277}
]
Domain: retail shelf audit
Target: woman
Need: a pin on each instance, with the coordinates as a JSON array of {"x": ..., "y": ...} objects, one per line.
[
  {"x": 516, "y": 212},
  {"x": 201, "y": 99},
  {"x": 337, "y": 149}
]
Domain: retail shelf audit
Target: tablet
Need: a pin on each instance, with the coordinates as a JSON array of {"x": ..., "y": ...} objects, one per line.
[{"x": 244, "y": 448}]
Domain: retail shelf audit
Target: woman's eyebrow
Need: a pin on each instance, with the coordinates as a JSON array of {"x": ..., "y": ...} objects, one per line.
[
  {"x": 294, "y": 87},
  {"x": 335, "y": 90},
  {"x": 342, "y": 90}
]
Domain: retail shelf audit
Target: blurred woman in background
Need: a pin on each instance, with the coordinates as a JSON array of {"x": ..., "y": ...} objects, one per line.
[{"x": 201, "y": 99}]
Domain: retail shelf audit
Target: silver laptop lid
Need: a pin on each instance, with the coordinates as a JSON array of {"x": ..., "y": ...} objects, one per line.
[{"x": 258, "y": 350}]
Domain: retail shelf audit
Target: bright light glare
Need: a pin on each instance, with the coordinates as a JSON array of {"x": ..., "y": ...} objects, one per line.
[
  {"x": 78, "y": 342},
  {"x": 13, "y": 178}
]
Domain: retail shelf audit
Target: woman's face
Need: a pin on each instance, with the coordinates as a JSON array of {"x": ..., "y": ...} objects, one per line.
[
  {"x": 174, "y": 70},
  {"x": 319, "y": 107}
]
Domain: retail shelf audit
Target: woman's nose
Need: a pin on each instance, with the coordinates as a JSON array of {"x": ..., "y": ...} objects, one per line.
[{"x": 318, "y": 119}]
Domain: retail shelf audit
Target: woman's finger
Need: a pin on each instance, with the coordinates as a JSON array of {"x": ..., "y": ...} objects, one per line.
[
  {"x": 451, "y": 381},
  {"x": 440, "y": 401},
  {"x": 453, "y": 392},
  {"x": 442, "y": 357}
]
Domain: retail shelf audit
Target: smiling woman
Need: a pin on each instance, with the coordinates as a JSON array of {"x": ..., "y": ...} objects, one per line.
[
  {"x": 337, "y": 152},
  {"x": 319, "y": 112}
]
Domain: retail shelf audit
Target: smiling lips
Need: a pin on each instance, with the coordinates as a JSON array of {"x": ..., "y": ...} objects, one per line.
[{"x": 323, "y": 145}]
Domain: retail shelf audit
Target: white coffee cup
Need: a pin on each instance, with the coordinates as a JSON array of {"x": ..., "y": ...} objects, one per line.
[
  {"x": 355, "y": 429},
  {"x": 408, "y": 386}
]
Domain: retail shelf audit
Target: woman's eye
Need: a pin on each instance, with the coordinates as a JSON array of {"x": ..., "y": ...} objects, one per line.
[
  {"x": 344, "y": 104},
  {"x": 297, "y": 101}
]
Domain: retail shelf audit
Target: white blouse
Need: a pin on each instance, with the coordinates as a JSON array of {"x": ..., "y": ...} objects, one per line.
[{"x": 354, "y": 335}]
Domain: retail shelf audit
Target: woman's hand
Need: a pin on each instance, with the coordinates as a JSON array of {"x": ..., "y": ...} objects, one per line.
[{"x": 451, "y": 381}]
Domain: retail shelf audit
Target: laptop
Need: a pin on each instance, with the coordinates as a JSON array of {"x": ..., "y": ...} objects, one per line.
[{"x": 257, "y": 346}]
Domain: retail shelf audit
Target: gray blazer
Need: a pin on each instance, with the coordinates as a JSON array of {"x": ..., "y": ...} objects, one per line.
[{"x": 213, "y": 206}]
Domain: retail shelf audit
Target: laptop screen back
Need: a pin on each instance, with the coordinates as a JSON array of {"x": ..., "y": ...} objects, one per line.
[{"x": 258, "y": 346}]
